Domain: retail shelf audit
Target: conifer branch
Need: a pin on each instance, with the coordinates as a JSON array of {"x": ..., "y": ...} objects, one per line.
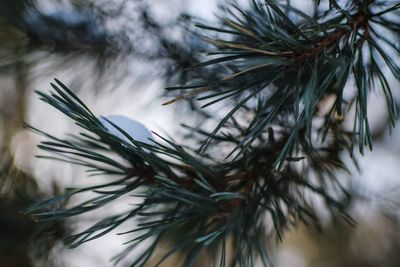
[
  {"x": 222, "y": 200},
  {"x": 285, "y": 147},
  {"x": 267, "y": 50}
]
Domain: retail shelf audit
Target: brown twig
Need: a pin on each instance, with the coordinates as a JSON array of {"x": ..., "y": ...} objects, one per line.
[{"x": 360, "y": 21}]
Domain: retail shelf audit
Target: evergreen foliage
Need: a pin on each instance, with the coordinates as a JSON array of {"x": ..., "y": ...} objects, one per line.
[{"x": 276, "y": 66}]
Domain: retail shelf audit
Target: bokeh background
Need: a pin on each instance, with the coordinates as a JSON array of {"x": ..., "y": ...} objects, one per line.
[{"x": 118, "y": 56}]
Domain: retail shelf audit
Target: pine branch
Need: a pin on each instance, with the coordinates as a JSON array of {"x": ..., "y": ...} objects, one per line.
[
  {"x": 267, "y": 50},
  {"x": 179, "y": 190},
  {"x": 285, "y": 147}
]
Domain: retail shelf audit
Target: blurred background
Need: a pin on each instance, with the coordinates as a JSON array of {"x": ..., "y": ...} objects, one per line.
[{"x": 118, "y": 56}]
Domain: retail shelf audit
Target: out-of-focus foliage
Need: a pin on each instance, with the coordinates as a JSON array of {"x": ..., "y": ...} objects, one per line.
[{"x": 23, "y": 241}]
